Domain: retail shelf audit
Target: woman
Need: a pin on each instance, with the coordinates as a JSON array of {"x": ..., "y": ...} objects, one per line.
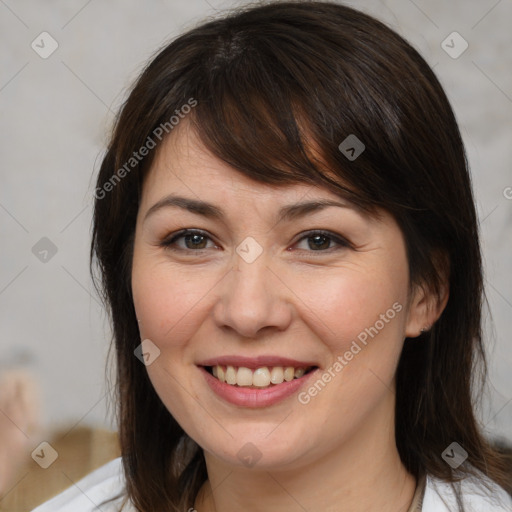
[{"x": 287, "y": 241}]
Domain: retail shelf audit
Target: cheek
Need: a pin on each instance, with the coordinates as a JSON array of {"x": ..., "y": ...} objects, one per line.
[
  {"x": 360, "y": 317},
  {"x": 166, "y": 304},
  {"x": 168, "y": 307},
  {"x": 348, "y": 304},
  {"x": 370, "y": 341}
]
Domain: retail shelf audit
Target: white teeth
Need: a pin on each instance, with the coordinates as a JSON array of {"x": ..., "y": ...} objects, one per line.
[
  {"x": 244, "y": 377},
  {"x": 230, "y": 375},
  {"x": 277, "y": 375},
  {"x": 260, "y": 378},
  {"x": 288, "y": 373},
  {"x": 299, "y": 372}
]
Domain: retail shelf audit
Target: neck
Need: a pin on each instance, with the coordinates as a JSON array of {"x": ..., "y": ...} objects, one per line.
[{"x": 364, "y": 473}]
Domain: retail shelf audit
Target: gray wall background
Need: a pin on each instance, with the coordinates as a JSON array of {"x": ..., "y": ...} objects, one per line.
[{"x": 55, "y": 116}]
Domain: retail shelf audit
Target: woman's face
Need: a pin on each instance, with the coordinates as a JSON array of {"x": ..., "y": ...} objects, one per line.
[{"x": 272, "y": 282}]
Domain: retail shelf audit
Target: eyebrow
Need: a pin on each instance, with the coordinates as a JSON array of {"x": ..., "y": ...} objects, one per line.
[{"x": 209, "y": 210}]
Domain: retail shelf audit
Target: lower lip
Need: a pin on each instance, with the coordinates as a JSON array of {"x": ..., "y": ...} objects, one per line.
[{"x": 252, "y": 397}]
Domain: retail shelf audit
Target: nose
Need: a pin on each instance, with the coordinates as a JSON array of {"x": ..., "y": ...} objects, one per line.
[{"x": 253, "y": 300}]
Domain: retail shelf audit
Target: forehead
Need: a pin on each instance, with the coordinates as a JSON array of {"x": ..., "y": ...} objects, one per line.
[{"x": 183, "y": 164}]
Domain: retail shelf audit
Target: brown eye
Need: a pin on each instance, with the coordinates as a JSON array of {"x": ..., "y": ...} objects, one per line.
[
  {"x": 320, "y": 241},
  {"x": 192, "y": 240},
  {"x": 195, "y": 241}
]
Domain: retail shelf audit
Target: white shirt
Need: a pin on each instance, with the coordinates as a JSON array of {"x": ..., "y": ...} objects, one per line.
[{"x": 106, "y": 482}]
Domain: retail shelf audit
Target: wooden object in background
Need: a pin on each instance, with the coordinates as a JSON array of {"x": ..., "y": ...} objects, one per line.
[{"x": 80, "y": 451}]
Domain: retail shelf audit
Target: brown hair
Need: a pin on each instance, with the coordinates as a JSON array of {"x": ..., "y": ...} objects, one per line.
[{"x": 274, "y": 85}]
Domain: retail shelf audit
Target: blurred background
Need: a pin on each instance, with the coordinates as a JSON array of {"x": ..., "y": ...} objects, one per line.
[{"x": 65, "y": 68}]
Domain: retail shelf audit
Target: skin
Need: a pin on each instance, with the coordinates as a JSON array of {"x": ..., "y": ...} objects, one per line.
[{"x": 335, "y": 453}]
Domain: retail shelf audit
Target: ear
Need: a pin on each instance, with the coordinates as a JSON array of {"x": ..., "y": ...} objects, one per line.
[
  {"x": 424, "y": 310},
  {"x": 426, "y": 305}
]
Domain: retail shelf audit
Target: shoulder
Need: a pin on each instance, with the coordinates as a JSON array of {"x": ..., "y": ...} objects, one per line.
[
  {"x": 88, "y": 494},
  {"x": 479, "y": 494}
]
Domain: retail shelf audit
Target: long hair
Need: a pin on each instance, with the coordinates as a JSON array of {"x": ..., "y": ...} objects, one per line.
[{"x": 273, "y": 90}]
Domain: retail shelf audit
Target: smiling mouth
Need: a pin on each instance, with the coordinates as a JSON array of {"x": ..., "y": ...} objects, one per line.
[{"x": 259, "y": 378}]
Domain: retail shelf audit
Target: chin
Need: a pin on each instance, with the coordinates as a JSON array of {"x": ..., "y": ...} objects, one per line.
[{"x": 259, "y": 448}]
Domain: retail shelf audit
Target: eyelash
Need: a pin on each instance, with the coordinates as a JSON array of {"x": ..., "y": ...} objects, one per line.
[{"x": 169, "y": 242}]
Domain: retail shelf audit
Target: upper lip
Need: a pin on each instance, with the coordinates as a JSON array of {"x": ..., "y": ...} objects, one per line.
[{"x": 255, "y": 362}]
